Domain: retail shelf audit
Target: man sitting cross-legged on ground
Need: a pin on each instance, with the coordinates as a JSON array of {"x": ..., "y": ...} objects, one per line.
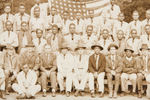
[{"x": 26, "y": 83}]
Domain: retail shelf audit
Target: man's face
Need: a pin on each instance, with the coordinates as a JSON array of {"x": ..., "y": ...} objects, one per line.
[
  {"x": 78, "y": 16},
  {"x": 133, "y": 33},
  {"x": 38, "y": 1},
  {"x": 37, "y": 12},
  {"x": 148, "y": 14},
  {"x": 121, "y": 17},
  {"x": 72, "y": 28},
  {"x": 120, "y": 35},
  {"x": 147, "y": 29},
  {"x": 105, "y": 34},
  {"x": 55, "y": 30},
  {"x": 25, "y": 68},
  {"x": 97, "y": 50},
  {"x": 24, "y": 27},
  {"x": 8, "y": 26},
  {"x": 80, "y": 51},
  {"x": 10, "y": 52},
  {"x": 22, "y": 9},
  {"x": 65, "y": 16},
  {"x": 53, "y": 11},
  {"x": 30, "y": 51},
  {"x": 135, "y": 15},
  {"x": 89, "y": 30},
  {"x": 91, "y": 13},
  {"x": 39, "y": 33},
  {"x": 7, "y": 9},
  {"x": 128, "y": 53},
  {"x": 144, "y": 52},
  {"x": 113, "y": 50},
  {"x": 112, "y": 2},
  {"x": 64, "y": 51}
]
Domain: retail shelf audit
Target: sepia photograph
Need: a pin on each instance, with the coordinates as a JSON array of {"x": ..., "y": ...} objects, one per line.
[{"x": 74, "y": 49}]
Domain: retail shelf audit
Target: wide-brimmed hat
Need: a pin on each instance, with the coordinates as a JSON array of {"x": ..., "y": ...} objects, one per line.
[
  {"x": 129, "y": 48},
  {"x": 29, "y": 45},
  {"x": 144, "y": 46},
  {"x": 96, "y": 45},
  {"x": 80, "y": 45},
  {"x": 113, "y": 45},
  {"x": 64, "y": 46}
]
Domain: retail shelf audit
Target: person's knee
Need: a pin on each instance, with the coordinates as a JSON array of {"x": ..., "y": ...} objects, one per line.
[
  {"x": 139, "y": 76},
  {"x": 109, "y": 76},
  {"x": 53, "y": 74},
  {"x": 133, "y": 77},
  {"x": 124, "y": 76},
  {"x": 43, "y": 75}
]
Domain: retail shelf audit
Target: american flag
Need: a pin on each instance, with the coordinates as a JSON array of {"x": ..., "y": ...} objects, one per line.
[{"x": 82, "y": 6}]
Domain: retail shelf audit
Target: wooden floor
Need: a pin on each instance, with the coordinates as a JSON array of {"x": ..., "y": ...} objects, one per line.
[{"x": 12, "y": 96}]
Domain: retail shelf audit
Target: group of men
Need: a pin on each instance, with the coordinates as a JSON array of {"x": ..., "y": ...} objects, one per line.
[{"x": 73, "y": 52}]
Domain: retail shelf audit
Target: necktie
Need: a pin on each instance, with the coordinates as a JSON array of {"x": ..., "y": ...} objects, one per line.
[
  {"x": 113, "y": 62},
  {"x": 21, "y": 18},
  {"x": 119, "y": 43},
  {"x": 91, "y": 20},
  {"x": 7, "y": 16},
  {"x": 54, "y": 37},
  {"x": 72, "y": 37},
  {"x": 80, "y": 57},
  {"x": 135, "y": 23},
  {"x": 39, "y": 41},
  {"x": 112, "y": 7},
  {"x": 147, "y": 21},
  {"x": 104, "y": 42},
  {"x": 78, "y": 21},
  {"x": 52, "y": 19},
  {"x": 97, "y": 62}
]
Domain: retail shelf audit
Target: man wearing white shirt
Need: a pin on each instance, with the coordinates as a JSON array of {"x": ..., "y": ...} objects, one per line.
[
  {"x": 43, "y": 6},
  {"x": 20, "y": 17},
  {"x": 9, "y": 38},
  {"x": 65, "y": 66},
  {"x": 146, "y": 21},
  {"x": 136, "y": 23},
  {"x": 26, "y": 83},
  {"x": 36, "y": 21},
  {"x": 120, "y": 24},
  {"x": 105, "y": 40},
  {"x": 80, "y": 69},
  {"x": 112, "y": 10},
  {"x": 72, "y": 37},
  {"x": 7, "y": 16},
  {"x": 54, "y": 18},
  {"x": 134, "y": 42},
  {"x": 145, "y": 38},
  {"x": 39, "y": 41}
]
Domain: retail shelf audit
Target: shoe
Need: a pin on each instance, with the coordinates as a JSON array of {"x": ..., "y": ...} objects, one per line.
[
  {"x": 21, "y": 96},
  {"x": 110, "y": 94},
  {"x": 133, "y": 94},
  {"x": 53, "y": 94},
  {"x": 82, "y": 93},
  {"x": 32, "y": 97},
  {"x": 101, "y": 95},
  {"x": 93, "y": 95},
  {"x": 76, "y": 93},
  {"x": 62, "y": 92},
  {"x": 44, "y": 94},
  {"x": 139, "y": 94},
  {"x": 7, "y": 92},
  {"x": 115, "y": 95},
  {"x": 2, "y": 95},
  {"x": 67, "y": 94}
]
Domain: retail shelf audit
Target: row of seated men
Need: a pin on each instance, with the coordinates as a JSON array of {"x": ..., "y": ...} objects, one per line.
[{"x": 27, "y": 73}]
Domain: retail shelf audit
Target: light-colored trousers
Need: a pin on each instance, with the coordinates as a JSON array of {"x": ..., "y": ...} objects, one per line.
[
  {"x": 124, "y": 79},
  {"x": 32, "y": 90},
  {"x": 69, "y": 78},
  {"x": 80, "y": 80},
  {"x": 100, "y": 80}
]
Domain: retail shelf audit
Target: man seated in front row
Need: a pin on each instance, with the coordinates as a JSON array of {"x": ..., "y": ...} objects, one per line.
[
  {"x": 113, "y": 68},
  {"x": 129, "y": 71},
  {"x": 96, "y": 68},
  {"x": 65, "y": 64},
  {"x": 26, "y": 85},
  {"x": 80, "y": 69},
  {"x": 48, "y": 70},
  {"x": 143, "y": 64}
]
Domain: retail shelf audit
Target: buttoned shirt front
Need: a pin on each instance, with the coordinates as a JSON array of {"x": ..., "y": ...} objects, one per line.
[{"x": 11, "y": 39}]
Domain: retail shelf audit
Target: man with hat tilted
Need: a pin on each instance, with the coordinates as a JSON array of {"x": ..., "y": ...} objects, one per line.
[
  {"x": 80, "y": 69},
  {"x": 143, "y": 65},
  {"x": 65, "y": 65},
  {"x": 113, "y": 69},
  {"x": 96, "y": 69},
  {"x": 129, "y": 71}
]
